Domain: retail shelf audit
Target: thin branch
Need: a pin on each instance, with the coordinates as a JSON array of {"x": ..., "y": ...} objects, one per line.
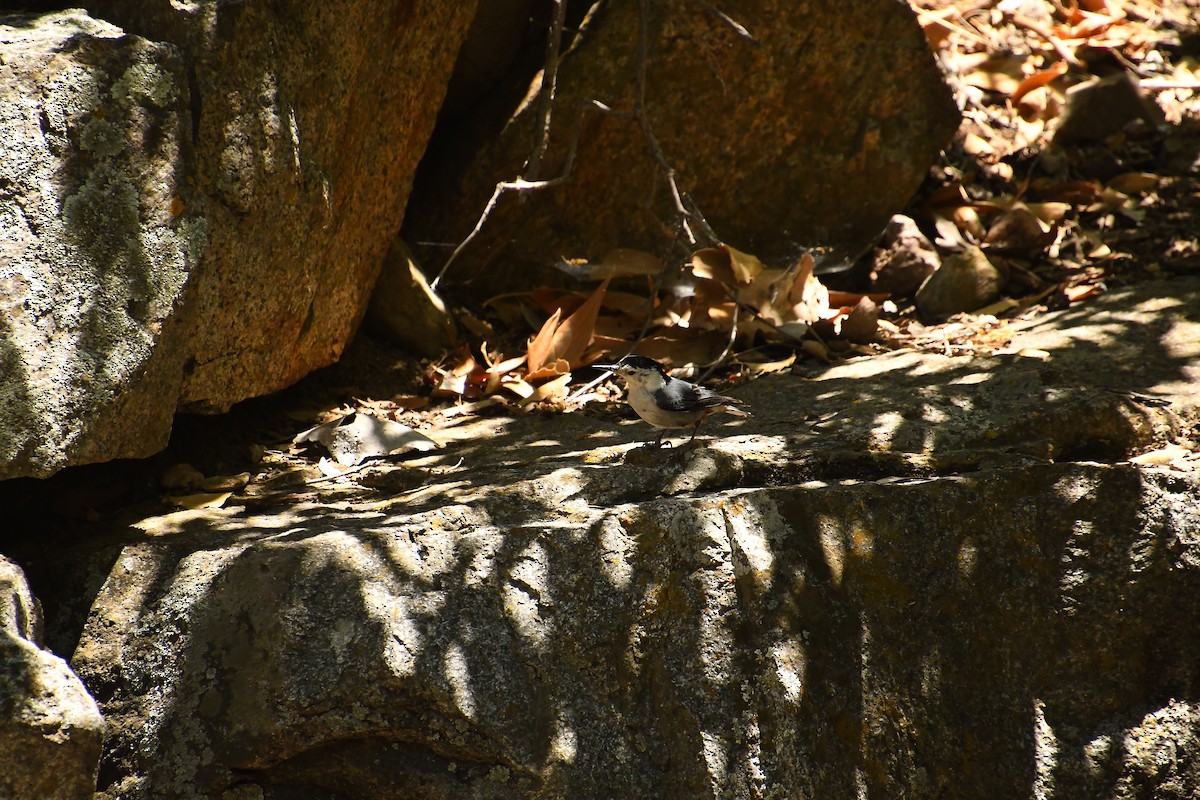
[
  {"x": 686, "y": 216},
  {"x": 522, "y": 185},
  {"x": 738, "y": 28},
  {"x": 733, "y": 329},
  {"x": 549, "y": 84},
  {"x": 695, "y": 227}
]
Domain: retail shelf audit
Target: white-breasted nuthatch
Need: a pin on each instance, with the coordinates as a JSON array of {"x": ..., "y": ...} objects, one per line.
[{"x": 667, "y": 402}]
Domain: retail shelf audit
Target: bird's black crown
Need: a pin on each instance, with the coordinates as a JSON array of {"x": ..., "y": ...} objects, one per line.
[{"x": 640, "y": 362}]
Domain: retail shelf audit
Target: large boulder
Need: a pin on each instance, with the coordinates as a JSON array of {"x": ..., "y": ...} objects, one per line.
[
  {"x": 101, "y": 230},
  {"x": 953, "y": 586},
  {"x": 815, "y": 134},
  {"x": 51, "y": 730},
  {"x": 309, "y": 120},
  {"x": 195, "y": 205}
]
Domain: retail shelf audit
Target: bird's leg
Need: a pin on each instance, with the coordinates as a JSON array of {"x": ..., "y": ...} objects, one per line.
[{"x": 696, "y": 429}]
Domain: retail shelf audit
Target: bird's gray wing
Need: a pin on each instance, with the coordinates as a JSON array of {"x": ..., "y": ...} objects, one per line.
[{"x": 694, "y": 397}]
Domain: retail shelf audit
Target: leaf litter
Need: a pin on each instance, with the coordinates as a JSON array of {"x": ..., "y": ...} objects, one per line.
[{"x": 1036, "y": 217}]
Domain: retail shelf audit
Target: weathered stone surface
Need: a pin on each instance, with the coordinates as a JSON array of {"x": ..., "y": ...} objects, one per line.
[
  {"x": 186, "y": 225},
  {"x": 967, "y": 280},
  {"x": 100, "y": 233},
  {"x": 309, "y": 121},
  {"x": 50, "y": 728},
  {"x": 403, "y": 308},
  {"x": 938, "y": 593},
  {"x": 905, "y": 260},
  {"x": 816, "y": 136}
]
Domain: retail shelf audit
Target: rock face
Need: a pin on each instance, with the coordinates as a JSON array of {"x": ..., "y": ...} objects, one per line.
[
  {"x": 194, "y": 206},
  {"x": 944, "y": 592},
  {"x": 814, "y": 136},
  {"x": 309, "y": 121},
  {"x": 100, "y": 233},
  {"x": 50, "y": 728}
]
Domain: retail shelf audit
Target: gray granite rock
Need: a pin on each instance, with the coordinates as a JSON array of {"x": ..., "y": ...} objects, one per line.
[
  {"x": 100, "y": 233},
  {"x": 50, "y": 728},
  {"x": 908, "y": 575}
]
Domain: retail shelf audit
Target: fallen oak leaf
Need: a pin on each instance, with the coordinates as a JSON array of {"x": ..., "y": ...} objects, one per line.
[
  {"x": 796, "y": 299},
  {"x": 745, "y": 266},
  {"x": 555, "y": 389},
  {"x": 714, "y": 264},
  {"x": 539, "y": 347},
  {"x": 356, "y": 436},
  {"x": 1131, "y": 183},
  {"x": 1038, "y": 80},
  {"x": 496, "y": 371},
  {"x": 838, "y": 299},
  {"x": 568, "y": 340},
  {"x": 1085, "y": 291},
  {"x": 574, "y": 335},
  {"x": 560, "y": 367},
  {"x": 726, "y": 264}
]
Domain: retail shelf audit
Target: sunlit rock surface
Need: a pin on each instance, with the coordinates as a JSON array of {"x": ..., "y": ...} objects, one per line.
[
  {"x": 50, "y": 727},
  {"x": 952, "y": 587}
]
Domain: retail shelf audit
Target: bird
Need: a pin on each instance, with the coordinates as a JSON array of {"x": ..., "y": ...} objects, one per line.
[{"x": 666, "y": 402}]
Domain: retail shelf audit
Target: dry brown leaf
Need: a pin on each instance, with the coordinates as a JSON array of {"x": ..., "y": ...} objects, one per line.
[
  {"x": 1038, "y": 80},
  {"x": 758, "y": 365},
  {"x": 726, "y": 264},
  {"x": 451, "y": 384},
  {"x": 497, "y": 370},
  {"x": 745, "y": 266},
  {"x": 975, "y": 145},
  {"x": 675, "y": 347},
  {"x": 555, "y": 389},
  {"x": 539, "y": 346},
  {"x": 792, "y": 301},
  {"x": 410, "y": 402},
  {"x": 817, "y": 349},
  {"x": 547, "y": 371},
  {"x": 1134, "y": 182},
  {"x": 1089, "y": 25},
  {"x": 839, "y": 299},
  {"x": 1050, "y": 212},
  {"x": 573, "y": 336},
  {"x": 1073, "y": 192},
  {"x": 714, "y": 264},
  {"x": 507, "y": 365},
  {"x": 996, "y": 74},
  {"x": 519, "y": 387},
  {"x": 1083, "y": 292}
]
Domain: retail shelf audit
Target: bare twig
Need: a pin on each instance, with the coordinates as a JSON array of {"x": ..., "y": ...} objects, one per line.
[
  {"x": 1164, "y": 84},
  {"x": 712, "y": 365},
  {"x": 695, "y": 227},
  {"x": 549, "y": 83},
  {"x": 738, "y": 28},
  {"x": 1063, "y": 51},
  {"x": 522, "y": 185},
  {"x": 687, "y": 217}
]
